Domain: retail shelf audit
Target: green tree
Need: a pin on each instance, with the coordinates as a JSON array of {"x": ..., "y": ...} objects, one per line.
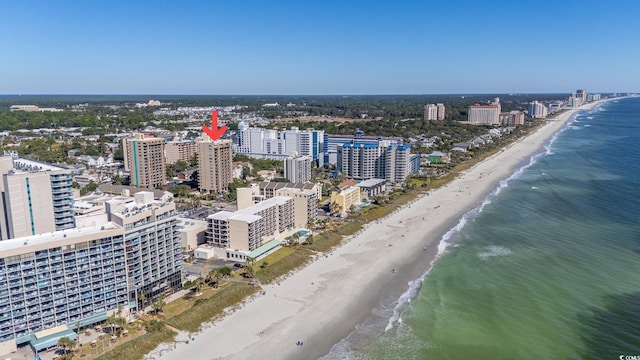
[
  {"x": 225, "y": 271},
  {"x": 158, "y": 304},
  {"x": 213, "y": 278},
  {"x": 116, "y": 323},
  {"x": 116, "y": 179},
  {"x": 198, "y": 285},
  {"x": 249, "y": 271},
  {"x": 91, "y": 187},
  {"x": 66, "y": 344}
]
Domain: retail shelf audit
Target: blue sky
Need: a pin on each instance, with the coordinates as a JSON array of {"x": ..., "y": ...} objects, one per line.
[{"x": 318, "y": 47}]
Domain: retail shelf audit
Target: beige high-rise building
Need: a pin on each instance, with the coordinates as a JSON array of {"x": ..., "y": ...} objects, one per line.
[
  {"x": 305, "y": 205},
  {"x": 582, "y": 94},
  {"x": 430, "y": 112},
  {"x": 247, "y": 229},
  {"x": 441, "y": 109},
  {"x": 485, "y": 114},
  {"x": 176, "y": 150},
  {"x": 144, "y": 159},
  {"x": 434, "y": 112},
  {"x": 214, "y": 165}
]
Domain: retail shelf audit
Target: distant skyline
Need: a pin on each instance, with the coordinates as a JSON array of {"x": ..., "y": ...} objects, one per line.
[{"x": 318, "y": 48}]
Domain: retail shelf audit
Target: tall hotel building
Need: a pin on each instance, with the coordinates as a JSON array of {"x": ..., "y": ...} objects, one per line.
[
  {"x": 183, "y": 150},
  {"x": 512, "y": 118},
  {"x": 144, "y": 159},
  {"x": 297, "y": 169},
  {"x": 434, "y": 112},
  {"x": 537, "y": 110},
  {"x": 369, "y": 161},
  {"x": 272, "y": 144},
  {"x": 51, "y": 283},
  {"x": 36, "y": 198},
  {"x": 582, "y": 95},
  {"x": 397, "y": 164},
  {"x": 361, "y": 161},
  {"x": 214, "y": 165},
  {"x": 441, "y": 109},
  {"x": 334, "y": 142},
  {"x": 152, "y": 245},
  {"x": 485, "y": 114}
]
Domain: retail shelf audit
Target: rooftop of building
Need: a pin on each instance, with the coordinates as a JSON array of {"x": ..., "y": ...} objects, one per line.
[
  {"x": 191, "y": 224},
  {"x": 120, "y": 189},
  {"x": 276, "y": 185},
  {"x": 347, "y": 183},
  {"x": 436, "y": 153},
  {"x": 263, "y": 249},
  {"x": 371, "y": 182},
  {"x": 52, "y": 237},
  {"x": 363, "y": 137},
  {"x": 491, "y": 106},
  {"x": 248, "y": 214},
  {"x": 360, "y": 145},
  {"x": 21, "y": 166},
  {"x": 299, "y": 190},
  {"x": 400, "y": 147},
  {"x": 135, "y": 205}
]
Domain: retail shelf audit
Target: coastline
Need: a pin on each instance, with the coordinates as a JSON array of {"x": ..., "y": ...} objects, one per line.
[{"x": 322, "y": 303}]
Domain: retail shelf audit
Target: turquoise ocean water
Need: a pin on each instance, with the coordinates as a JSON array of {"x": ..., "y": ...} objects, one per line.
[{"x": 547, "y": 268}]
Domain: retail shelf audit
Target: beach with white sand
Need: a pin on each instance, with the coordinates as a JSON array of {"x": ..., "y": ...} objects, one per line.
[{"x": 320, "y": 304}]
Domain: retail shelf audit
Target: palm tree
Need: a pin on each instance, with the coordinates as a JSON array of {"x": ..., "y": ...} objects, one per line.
[
  {"x": 66, "y": 344},
  {"x": 158, "y": 304},
  {"x": 249, "y": 271},
  {"x": 311, "y": 224},
  {"x": 143, "y": 300},
  {"x": 197, "y": 286},
  {"x": 78, "y": 330},
  {"x": 225, "y": 271},
  {"x": 213, "y": 278},
  {"x": 116, "y": 322}
]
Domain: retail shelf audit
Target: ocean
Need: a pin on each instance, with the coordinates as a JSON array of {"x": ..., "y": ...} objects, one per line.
[{"x": 548, "y": 267}]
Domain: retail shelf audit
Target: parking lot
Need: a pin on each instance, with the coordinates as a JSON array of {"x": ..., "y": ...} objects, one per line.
[
  {"x": 201, "y": 213},
  {"x": 201, "y": 267}
]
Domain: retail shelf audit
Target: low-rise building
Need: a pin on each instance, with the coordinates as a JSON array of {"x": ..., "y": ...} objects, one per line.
[
  {"x": 192, "y": 233},
  {"x": 372, "y": 187},
  {"x": 345, "y": 197}
]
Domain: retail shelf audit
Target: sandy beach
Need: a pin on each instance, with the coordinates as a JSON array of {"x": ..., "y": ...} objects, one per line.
[{"x": 323, "y": 302}]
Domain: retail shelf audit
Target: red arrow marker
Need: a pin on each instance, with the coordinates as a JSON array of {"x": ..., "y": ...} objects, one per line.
[{"x": 214, "y": 133}]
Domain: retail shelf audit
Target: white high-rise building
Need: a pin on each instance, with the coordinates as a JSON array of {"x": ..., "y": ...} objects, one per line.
[
  {"x": 267, "y": 143},
  {"x": 129, "y": 257},
  {"x": 397, "y": 163},
  {"x": 35, "y": 198},
  {"x": 537, "y": 110},
  {"x": 297, "y": 169}
]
